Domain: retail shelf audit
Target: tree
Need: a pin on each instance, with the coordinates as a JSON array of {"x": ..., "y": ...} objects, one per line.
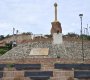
[
  {"x": 27, "y": 33},
  {"x": 88, "y": 37},
  {"x": 2, "y": 37},
  {"x": 72, "y": 35},
  {"x": 7, "y": 36},
  {"x": 9, "y": 46},
  {"x": 48, "y": 36},
  {"x": 2, "y": 51}
]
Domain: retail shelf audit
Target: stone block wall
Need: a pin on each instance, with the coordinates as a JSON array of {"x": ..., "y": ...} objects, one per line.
[{"x": 47, "y": 64}]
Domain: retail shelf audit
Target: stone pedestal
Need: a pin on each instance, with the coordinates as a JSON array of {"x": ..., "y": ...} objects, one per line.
[{"x": 57, "y": 38}]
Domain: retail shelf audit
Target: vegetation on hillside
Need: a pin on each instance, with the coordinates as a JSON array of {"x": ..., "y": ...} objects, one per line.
[
  {"x": 2, "y": 37},
  {"x": 27, "y": 33},
  {"x": 85, "y": 37},
  {"x": 6, "y": 48},
  {"x": 72, "y": 35}
]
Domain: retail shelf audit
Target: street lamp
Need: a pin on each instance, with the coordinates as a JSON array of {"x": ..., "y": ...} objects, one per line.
[{"x": 81, "y": 15}]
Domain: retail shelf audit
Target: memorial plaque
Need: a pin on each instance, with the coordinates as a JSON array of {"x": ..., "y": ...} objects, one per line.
[{"x": 39, "y": 51}]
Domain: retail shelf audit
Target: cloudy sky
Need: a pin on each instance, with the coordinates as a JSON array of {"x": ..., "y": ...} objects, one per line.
[{"x": 36, "y": 15}]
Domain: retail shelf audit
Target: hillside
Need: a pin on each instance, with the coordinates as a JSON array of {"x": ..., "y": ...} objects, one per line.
[{"x": 69, "y": 49}]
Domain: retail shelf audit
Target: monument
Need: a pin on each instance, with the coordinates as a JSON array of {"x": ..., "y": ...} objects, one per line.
[
  {"x": 56, "y": 30},
  {"x": 42, "y": 60}
]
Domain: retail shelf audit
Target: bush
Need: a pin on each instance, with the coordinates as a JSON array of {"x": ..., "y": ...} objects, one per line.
[
  {"x": 10, "y": 65},
  {"x": 88, "y": 37},
  {"x": 2, "y": 37},
  {"x": 72, "y": 35},
  {"x": 6, "y": 48},
  {"x": 49, "y": 36},
  {"x": 2, "y": 51},
  {"x": 9, "y": 46}
]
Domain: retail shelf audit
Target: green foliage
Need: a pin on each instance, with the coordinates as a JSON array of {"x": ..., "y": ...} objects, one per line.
[
  {"x": 72, "y": 35},
  {"x": 2, "y": 51},
  {"x": 5, "y": 49},
  {"x": 88, "y": 37},
  {"x": 85, "y": 37},
  {"x": 49, "y": 36},
  {"x": 9, "y": 46},
  {"x": 7, "y": 36},
  {"x": 2, "y": 37},
  {"x": 10, "y": 65},
  {"x": 27, "y": 33}
]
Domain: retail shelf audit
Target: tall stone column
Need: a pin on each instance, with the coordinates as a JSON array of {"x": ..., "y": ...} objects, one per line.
[
  {"x": 56, "y": 30},
  {"x": 55, "y": 11}
]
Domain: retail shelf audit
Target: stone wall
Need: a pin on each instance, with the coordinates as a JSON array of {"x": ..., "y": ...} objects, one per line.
[
  {"x": 67, "y": 50},
  {"x": 47, "y": 64}
]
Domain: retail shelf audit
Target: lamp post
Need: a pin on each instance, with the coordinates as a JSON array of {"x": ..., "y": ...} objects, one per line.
[{"x": 81, "y": 15}]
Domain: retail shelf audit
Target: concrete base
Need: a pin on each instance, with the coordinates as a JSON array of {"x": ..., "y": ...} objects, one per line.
[{"x": 57, "y": 38}]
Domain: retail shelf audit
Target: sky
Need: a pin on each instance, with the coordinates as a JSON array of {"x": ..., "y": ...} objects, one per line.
[{"x": 36, "y": 15}]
